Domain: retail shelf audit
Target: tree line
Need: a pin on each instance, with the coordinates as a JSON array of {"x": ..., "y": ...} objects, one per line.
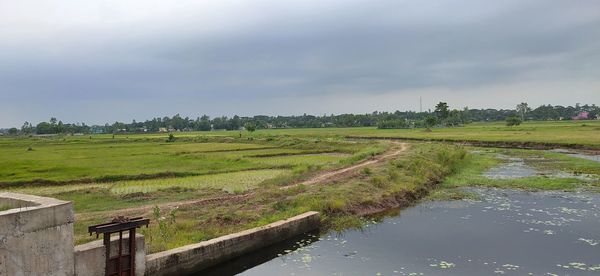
[{"x": 443, "y": 116}]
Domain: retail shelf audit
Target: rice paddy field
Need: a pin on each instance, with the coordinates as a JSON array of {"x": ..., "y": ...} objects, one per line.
[
  {"x": 207, "y": 184},
  {"x": 580, "y": 133}
]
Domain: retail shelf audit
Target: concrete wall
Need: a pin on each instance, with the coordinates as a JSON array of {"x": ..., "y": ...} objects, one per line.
[
  {"x": 90, "y": 258},
  {"x": 37, "y": 237},
  {"x": 195, "y": 257},
  {"x": 16, "y": 203}
]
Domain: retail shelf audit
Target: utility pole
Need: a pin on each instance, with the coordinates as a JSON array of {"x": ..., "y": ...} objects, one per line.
[{"x": 420, "y": 104}]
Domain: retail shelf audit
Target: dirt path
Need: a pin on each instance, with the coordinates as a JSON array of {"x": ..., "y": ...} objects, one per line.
[
  {"x": 331, "y": 175},
  {"x": 336, "y": 174}
]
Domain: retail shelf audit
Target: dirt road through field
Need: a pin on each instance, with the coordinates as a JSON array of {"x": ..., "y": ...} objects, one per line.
[{"x": 335, "y": 174}]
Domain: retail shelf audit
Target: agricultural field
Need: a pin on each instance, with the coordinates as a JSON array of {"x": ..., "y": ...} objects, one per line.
[
  {"x": 562, "y": 133},
  {"x": 206, "y": 184}
]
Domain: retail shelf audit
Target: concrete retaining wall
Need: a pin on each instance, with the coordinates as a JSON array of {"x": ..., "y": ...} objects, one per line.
[
  {"x": 90, "y": 258},
  {"x": 195, "y": 257},
  {"x": 37, "y": 237}
]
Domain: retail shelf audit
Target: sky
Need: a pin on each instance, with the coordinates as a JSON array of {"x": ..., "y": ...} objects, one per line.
[{"x": 98, "y": 61}]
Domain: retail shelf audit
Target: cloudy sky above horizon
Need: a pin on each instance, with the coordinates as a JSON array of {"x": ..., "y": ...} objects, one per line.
[{"x": 99, "y": 61}]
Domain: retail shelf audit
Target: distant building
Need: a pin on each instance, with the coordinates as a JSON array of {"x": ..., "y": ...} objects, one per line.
[
  {"x": 162, "y": 129},
  {"x": 581, "y": 116}
]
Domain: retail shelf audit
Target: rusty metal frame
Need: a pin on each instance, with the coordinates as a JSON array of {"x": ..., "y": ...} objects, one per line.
[{"x": 119, "y": 225}]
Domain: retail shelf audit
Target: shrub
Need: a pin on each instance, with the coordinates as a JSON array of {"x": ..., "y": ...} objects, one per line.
[{"x": 513, "y": 121}]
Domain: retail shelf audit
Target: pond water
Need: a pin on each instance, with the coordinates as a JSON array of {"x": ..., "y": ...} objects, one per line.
[
  {"x": 515, "y": 167},
  {"x": 506, "y": 232},
  {"x": 592, "y": 157}
]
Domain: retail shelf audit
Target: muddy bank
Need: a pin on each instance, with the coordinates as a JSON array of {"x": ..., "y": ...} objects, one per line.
[
  {"x": 399, "y": 200},
  {"x": 494, "y": 144}
]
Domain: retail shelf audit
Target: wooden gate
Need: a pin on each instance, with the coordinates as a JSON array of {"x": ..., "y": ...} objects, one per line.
[{"x": 120, "y": 261}]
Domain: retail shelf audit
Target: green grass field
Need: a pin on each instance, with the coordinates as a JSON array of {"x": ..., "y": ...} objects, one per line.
[
  {"x": 130, "y": 174},
  {"x": 563, "y": 133},
  {"x": 101, "y": 160}
]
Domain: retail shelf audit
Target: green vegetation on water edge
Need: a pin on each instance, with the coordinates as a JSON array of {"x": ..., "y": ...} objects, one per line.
[
  {"x": 387, "y": 185},
  {"x": 555, "y": 171}
]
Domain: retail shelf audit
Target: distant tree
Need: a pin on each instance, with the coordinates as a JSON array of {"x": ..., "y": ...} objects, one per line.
[
  {"x": 44, "y": 128},
  {"x": 430, "y": 121},
  {"x": 202, "y": 123},
  {"x": 466, "y": 115},
  {"x": 513, "y": 121},
  {"x": 522, "y": 109},
  {"x": 13, "y": 131},
  {"x": 442, "y": 111},
  {"x": 250, "y": 127},
  {"x": 26, "y": 128},
  {"x": 235, "y": 123},
  {"x": 455, "y": 118}
]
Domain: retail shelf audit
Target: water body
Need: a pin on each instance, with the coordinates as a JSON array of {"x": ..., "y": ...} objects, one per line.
[
  {"x": 515, "y": 167},
  {"x": 592, "y": 157},
  {"x": 507, "y": 232}
]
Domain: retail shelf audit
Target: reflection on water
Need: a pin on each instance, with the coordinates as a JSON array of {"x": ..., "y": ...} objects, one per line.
[{"x": 508, "y": 232}]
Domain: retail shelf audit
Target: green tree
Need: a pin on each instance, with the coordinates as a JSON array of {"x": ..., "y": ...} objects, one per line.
[
  {"x": 44, "y": 128},
  {"x": 13, "y": 131},
  {"x": 26, "y": 128},
  {"x": 513, "y": 121},
  {"x": 250, "y": 127},
  {"x": 442, "y": 111},
  {"x": 455, "y": 118},
  {"x": 430, "y": 121},
  {"x": 522, "y": 109}
]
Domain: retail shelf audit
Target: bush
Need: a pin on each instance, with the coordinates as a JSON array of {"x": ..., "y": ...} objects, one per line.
[{"x": 513, "y": 121}]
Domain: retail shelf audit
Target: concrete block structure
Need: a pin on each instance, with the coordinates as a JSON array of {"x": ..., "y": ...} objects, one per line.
[{"x": 36, "y": 236}]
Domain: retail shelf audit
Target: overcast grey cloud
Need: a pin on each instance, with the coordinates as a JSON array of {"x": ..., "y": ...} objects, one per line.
[{"x": 101, "y": 61}]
